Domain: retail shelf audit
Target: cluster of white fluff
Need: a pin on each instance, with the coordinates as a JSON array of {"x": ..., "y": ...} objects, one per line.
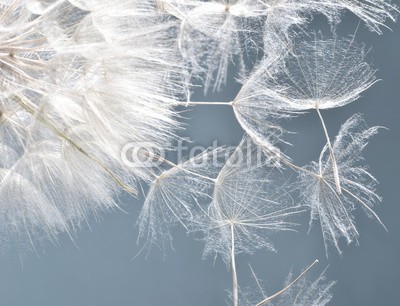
[
  {"x": 80, "y": 79},
  {"x": 236, "y": 30}
]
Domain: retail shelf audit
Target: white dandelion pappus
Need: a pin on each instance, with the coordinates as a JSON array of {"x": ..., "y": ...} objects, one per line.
[
  {"x": 334, "y": 210},
  {"x": 306, "y": 291},
  {"x": 252, "y": 196},
  {"x": 215, "y": 34},
  {"x": 300, "y": 290},
  {"x": 174, "y": 196}
]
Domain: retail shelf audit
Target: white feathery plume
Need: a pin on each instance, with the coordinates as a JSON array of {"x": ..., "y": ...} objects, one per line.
[
  {"x": 229, "y": 29},
  {"x": 287, "y": 13},
  {"x": 70, "y": 101},
  {"x": 306, "y": 291},
  {"x": 232, "y": 30},
  {"x": 334, "y": 210},
  {"x": 174, "y": 196},
  {"x": 374, "y": 13},
  {"x": 302, "y": 290},
  {"x": 123, "y": 80},
  {"x": 251, "y": 196}
]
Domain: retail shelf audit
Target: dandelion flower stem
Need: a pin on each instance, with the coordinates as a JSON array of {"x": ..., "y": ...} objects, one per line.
[
  {"x": 177, "y": 166},
  {"x": 186, "y": 170},
  {"x": 235, "y": 291},
  {"x": 269, "y": 299},
  {"x": 332, "y": 154},
  {"x": 285, "y": 161},
  {"x": 191, "y": 103},
  {"x": 296, "y": 167}
]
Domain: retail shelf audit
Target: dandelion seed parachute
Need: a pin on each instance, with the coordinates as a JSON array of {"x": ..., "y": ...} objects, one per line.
[
  {"x": 229, "y": 30},
  {"x": 307, "y": 290},
  {"x": 335, "y": 211},
  {"x": 175, "y": 197},
  {"x": 252, "y": 196}
]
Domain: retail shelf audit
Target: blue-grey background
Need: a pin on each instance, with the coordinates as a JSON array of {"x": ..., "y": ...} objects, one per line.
[{"x": 98, "y": 270}]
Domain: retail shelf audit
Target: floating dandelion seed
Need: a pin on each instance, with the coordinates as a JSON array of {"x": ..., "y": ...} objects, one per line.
[
  {"x": 252, "y": 196},
  {"x": 334, "y": 210},
  {"x": 305, "y": 291},
  {"x": 302, "y": 290},
  {"x": 173, "y": 198},
  {"x": 228, "y": 29}
]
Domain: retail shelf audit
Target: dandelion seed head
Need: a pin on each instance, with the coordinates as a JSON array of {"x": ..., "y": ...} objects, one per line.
[{"x": 73, "y": 93}]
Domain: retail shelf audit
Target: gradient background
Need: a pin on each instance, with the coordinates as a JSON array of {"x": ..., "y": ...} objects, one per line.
[{"x": 98, "y": 269}]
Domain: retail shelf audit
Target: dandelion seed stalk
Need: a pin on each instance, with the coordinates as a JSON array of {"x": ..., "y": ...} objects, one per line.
[
  {"x": 235, "y": 289},
  {"x": 270, "y": 298},
  {"x": 332, "y": 153}
]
